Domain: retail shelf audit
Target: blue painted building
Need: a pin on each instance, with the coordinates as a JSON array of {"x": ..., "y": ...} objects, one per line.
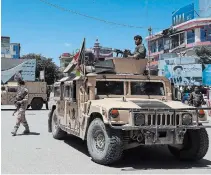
[{"x": 15, "y": 50}]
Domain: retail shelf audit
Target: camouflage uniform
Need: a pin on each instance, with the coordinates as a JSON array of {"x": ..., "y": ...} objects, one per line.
[
  {"x": 140, "y": 52},
  {"x": 22, "y": 106},
  {"x": 196, "y": 99}
]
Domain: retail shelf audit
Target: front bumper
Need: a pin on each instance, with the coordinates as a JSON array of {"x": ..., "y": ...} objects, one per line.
[{"x": 173, "y": 125}]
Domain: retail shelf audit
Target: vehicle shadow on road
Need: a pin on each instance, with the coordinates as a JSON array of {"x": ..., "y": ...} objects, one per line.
[
  {"x": 155, "y": 157},
  {"x": 143, "y": 158},
  {"x": 26, "y": 110},
  {"x": 77, "y": 144},
  {"x": 31, "y": 133}
]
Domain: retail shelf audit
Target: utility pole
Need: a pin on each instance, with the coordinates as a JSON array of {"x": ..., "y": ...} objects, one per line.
[{"x": 150, "y": 34}]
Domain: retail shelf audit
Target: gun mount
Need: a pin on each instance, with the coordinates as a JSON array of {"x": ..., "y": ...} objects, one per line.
[{"x": 117, "y": 65}]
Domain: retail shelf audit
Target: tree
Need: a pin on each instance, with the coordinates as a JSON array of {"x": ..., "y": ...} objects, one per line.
[
  {"x": 52, "y": 72},
  {"x": 204, "y": 53}
]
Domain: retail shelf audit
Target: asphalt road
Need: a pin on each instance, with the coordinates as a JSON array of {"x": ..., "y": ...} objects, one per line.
[{"x": 39, "y": 153}]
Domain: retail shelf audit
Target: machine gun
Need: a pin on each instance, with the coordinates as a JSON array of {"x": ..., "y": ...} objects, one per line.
[{"x": 124, "y": 53}]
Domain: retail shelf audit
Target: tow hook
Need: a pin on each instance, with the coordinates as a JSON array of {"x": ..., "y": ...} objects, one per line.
[
  {"x": 181, "y": 134},
  {"x": 149, "y": 134}
]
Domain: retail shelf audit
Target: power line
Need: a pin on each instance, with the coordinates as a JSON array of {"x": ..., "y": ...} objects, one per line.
[{"x": 91, "y": 17}]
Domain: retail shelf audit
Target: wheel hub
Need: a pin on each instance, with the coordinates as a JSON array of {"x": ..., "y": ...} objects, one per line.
[{"x": 100, "y": 141}]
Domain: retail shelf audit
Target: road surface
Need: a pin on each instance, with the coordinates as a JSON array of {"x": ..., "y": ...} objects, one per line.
[{"x": 41, "y": 154}]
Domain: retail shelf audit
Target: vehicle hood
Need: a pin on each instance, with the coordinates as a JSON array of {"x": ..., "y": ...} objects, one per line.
[{"x": 133, "y": 103}]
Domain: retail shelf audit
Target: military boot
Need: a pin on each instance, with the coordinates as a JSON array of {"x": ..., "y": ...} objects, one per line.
[
  {"x": 14, "y": 131},
  {"x": 26, "y": 131}
]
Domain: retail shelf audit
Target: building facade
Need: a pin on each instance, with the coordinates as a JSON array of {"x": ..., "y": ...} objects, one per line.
[
  {"x": 9, "y": 50},
  {"x": 181, "y": 38},
  {"x": 15, "y": 50},
  {"x": 186, "y": 34},
  {"x": 65, "y": 59}
]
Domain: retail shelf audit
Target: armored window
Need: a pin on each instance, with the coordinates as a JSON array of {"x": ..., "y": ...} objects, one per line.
[
  {"x": 67, "y": 91},
  {"x": 12, "y": 89},
  {"x": 56, "y": 91},
  {"x": 147, "y": 88},
  {"x": 110, "y": 88},
  {"x": 3, "y": 88}
]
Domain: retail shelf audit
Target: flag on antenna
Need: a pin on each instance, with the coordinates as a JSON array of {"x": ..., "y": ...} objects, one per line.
[{"x": 78, "y": 59}]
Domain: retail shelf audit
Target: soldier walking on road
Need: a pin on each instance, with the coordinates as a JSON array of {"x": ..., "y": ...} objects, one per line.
[
  {"x": 22, "y": 94},
  {"x": 196, "y": 98}
]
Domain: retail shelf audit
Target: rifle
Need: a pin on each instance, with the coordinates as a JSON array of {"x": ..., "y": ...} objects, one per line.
[{"x": 124, "y": 53}]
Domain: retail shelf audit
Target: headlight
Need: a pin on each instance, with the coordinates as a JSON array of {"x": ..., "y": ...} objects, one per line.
[
  {"x": 114, "y": 113},
  {"x": 186, "y": 119},
  {"x": 201, "y": 113},
  {"x": 139, "y": 119}
]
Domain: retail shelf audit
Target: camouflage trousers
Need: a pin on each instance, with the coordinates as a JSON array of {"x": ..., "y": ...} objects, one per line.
[{"x": 21, "y": 119}]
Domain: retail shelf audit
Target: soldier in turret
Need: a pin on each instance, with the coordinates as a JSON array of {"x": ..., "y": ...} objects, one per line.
[
  {"x": 140, "y": 50},
  {"x": 22, "y": 106}
]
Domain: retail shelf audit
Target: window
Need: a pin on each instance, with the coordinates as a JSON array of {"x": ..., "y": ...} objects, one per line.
[
  {"x": 147, "y": 88},
  {"x": 66, "y": 64},
  {"x": 56, "y": 91},
  {"x": 205, "y": 33},
  {"x": 190, "y": 36},
  {"x": 110, "y": 88},
  {"x": 175, "y": 41},
  {"x": 166, "y": 43},
  {"x": 12, "y": 89},
  {"x": 160, "y": 45},
  {"x": 3, "y": 88},
  {"x": 153, "y": 47},
  {"x": 182, "y": 38},
  {"x": 67, "y": 91}
]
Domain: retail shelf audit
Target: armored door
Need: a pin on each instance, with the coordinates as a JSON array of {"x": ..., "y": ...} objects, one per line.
[{"x": 71, "y": 111}]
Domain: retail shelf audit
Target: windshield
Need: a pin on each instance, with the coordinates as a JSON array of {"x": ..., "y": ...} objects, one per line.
[
  {"x": 147, "y": 88},
  {"x": 110, "y": 88}
]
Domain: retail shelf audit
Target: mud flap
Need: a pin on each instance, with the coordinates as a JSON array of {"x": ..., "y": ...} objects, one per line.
[{"x": 50, "y": 114}]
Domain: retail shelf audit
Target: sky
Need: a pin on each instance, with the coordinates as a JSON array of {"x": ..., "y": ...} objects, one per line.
[{"x": 46, "y": 30}]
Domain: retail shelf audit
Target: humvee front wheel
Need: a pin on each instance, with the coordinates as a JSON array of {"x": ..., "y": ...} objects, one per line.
[
  {"x": 195, "y": 145},
  {"x": 57, "y": 132},
  {"x": 105, "y": 145}
]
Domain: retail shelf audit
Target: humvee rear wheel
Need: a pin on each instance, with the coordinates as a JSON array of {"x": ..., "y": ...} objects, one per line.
[
  {"x": 105, "y": 145},
  {"x": 195, "y": 145},
  {"x": 57, "y": 132},
  {"x": 37, "y": 104}
]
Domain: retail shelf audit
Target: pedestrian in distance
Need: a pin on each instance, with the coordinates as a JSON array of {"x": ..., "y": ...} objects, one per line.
[{"x": 196, "y": 98}]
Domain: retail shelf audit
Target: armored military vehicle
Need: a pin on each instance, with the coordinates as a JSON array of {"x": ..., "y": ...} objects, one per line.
[
  {"x": 116, "y": 105},
  {"x": 37, "y": 94}
]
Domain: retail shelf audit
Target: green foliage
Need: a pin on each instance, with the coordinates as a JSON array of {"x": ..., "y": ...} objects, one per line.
[
  {"x": 205, "y": 55},
  {"x": 52, "y": 72}
]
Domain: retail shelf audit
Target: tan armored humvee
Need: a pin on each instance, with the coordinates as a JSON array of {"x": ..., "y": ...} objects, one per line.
[
  {"x": 37, "y": 94},
  {"x": 125, "y": 109}
]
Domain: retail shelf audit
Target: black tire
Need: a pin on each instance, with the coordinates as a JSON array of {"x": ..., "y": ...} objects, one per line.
[
  {"x": 195, "y": 146},
  {"x": 112, "y": 145},
  {"x": 37, "y": 104},
  {"x": 46, "y": 105},
  {"x": 57, "y": 132}
]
